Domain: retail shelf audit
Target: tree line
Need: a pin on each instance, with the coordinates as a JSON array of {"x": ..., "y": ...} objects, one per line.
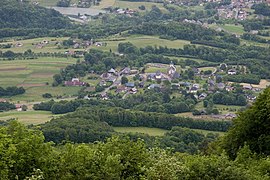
[
  {"x": 11, "y": 91},
  {"x": 25, "y": 155}
]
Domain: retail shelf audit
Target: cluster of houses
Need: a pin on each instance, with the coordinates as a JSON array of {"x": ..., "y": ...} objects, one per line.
[
  {"x": 41, "y": 44},
  {"x": 125, "y": 11},
  {"x": 19, "y": 107},
  {"x": 237, "y": 9},
  {"x": 159, "y": 76},
  {"x": 112, "y": 78},
  {"x": 83, "y": 45}
]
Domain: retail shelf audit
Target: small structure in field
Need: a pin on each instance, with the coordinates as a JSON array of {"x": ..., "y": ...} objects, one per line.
[{"x": 75, "y": 82}]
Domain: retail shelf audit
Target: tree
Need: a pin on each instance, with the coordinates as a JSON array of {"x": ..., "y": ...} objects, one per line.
[
  {"x": 21, "y": 151},
  {"x": 58, "y": 79},
  {"x": 47, "y": 95},
  {"x": 124, "y": 80},
  {"x": 251, "y": 127},
  {"x": 24, "y": 108},
  {"x": 142, "y": 7}
]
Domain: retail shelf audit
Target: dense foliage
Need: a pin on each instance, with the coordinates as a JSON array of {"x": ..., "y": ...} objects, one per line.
[
  {"x": 76, "y": 129},
  {"x": 24, "y": 155},
  {"x": 186, "y": 140},
  {"x": 251, "y": 127},
  {"x": 11, "y": 91},
  {"x": 16, "y": 14},
  {"x": 229, "y": 99},
  {"x": 263, "y": 9},
  {"x": 6, "y": 106}
]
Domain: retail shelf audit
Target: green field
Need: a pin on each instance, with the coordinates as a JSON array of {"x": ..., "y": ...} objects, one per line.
[
  {"x": 145, "y": 130},
  {"x": 230, "y": 28},
  {"x": 50, "y": 3},
  {"x": 143, "y": 41},
  {"x": 30, "y": 44},
  {"x": 207, "y": 68},
  {"x": 235, "y": 29},
  {"x": 33, "y": 76},
  {"x": 155, "y": 69},
  {"x": 107, "y": 3},
  {"x": 135, "y": 5},
  {"x": 156, "y": 131},
  {"x": 46, "y": 3},
  {"x": 27, "y": 117},
  {"x": 205, "y": 132},
  {"x": 183, "y": 58}
]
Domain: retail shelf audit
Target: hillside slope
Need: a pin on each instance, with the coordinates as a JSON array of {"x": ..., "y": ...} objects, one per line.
[{"x": 16, "y": 14}]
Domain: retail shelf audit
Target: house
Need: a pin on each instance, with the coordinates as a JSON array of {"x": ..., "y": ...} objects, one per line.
[
  {"x": 141, "y": 84},
  {"x": 126, "y": 71},
  {"x": 70, "y": 52},
  {"x": 86, "y": 97},
  {"x": 251, "y": 97},
  {"x": 220, "y": 86},
  {"x": 193, "y": 89},
  {"x": 171, "y": 70},
  {"x": 196, "y": 85},
  {"x": 175, "y": 86},
  {"x": 3, "y": 100},
  {"x": 121, "y": 89},
  {"x": 83, "y": 17},
  {"x": 151, "y": 76},
  {"x": 196, "y": 70},
  {"x": 18, "y": 44},
  {"x": 223, "y": 66},
  {"x": 202, "y": 96},
  {"x": 247, "y": 87},
  {"x": 76, "y": 46},
  {"x": 102, "y": 83},
  {"x": 158, "y": 75},
  {"x": 105, "y": 75},
  {"x": 130, "y": 85},
  {"x": 120, "y": 11},
  {"x": 232, "y": 71},
  {"x": 134, "y": 71},
  {"x": 74, "y": 82},
  {"x": 112, "y": 71},
  {"x": 98, "y": 44},
  {"x": 211, "y": 82},
  {"x": 111, "y": 79},
  {"x": 133, "y": 91},
  {"x": 18, "y": 107},
  {"x": 153, "y": 86},
  {"x": 104, "y": 96},
  {"x": 230, "y": 116},
  {"x": 229, "y": 88}
]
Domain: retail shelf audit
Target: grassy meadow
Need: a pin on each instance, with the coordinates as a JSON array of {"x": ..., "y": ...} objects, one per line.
[
  {"x": 144, "y": 130},
  {"x": 235, "y": 29},
  {"x": 27, "y": 117},
  {"x": 230, "y": 28},
  {"x": 107, "y": 3},
  {"x": 135, "y": 5},
  {"x": 30, "y": 44},
  {"x": 156, "y": 131},
  {"x": 142, "y": 41},
  {"x": 34, "y": 75}
]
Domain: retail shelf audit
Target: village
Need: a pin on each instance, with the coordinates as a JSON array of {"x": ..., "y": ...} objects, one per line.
[{"x": 201, "y": 83}]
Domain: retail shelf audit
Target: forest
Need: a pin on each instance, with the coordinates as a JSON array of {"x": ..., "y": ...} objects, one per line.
[{"x": 237, "y": 155}]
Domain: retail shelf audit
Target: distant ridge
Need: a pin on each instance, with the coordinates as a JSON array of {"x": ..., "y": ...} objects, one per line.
[{"x": 16, "y": 14}]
